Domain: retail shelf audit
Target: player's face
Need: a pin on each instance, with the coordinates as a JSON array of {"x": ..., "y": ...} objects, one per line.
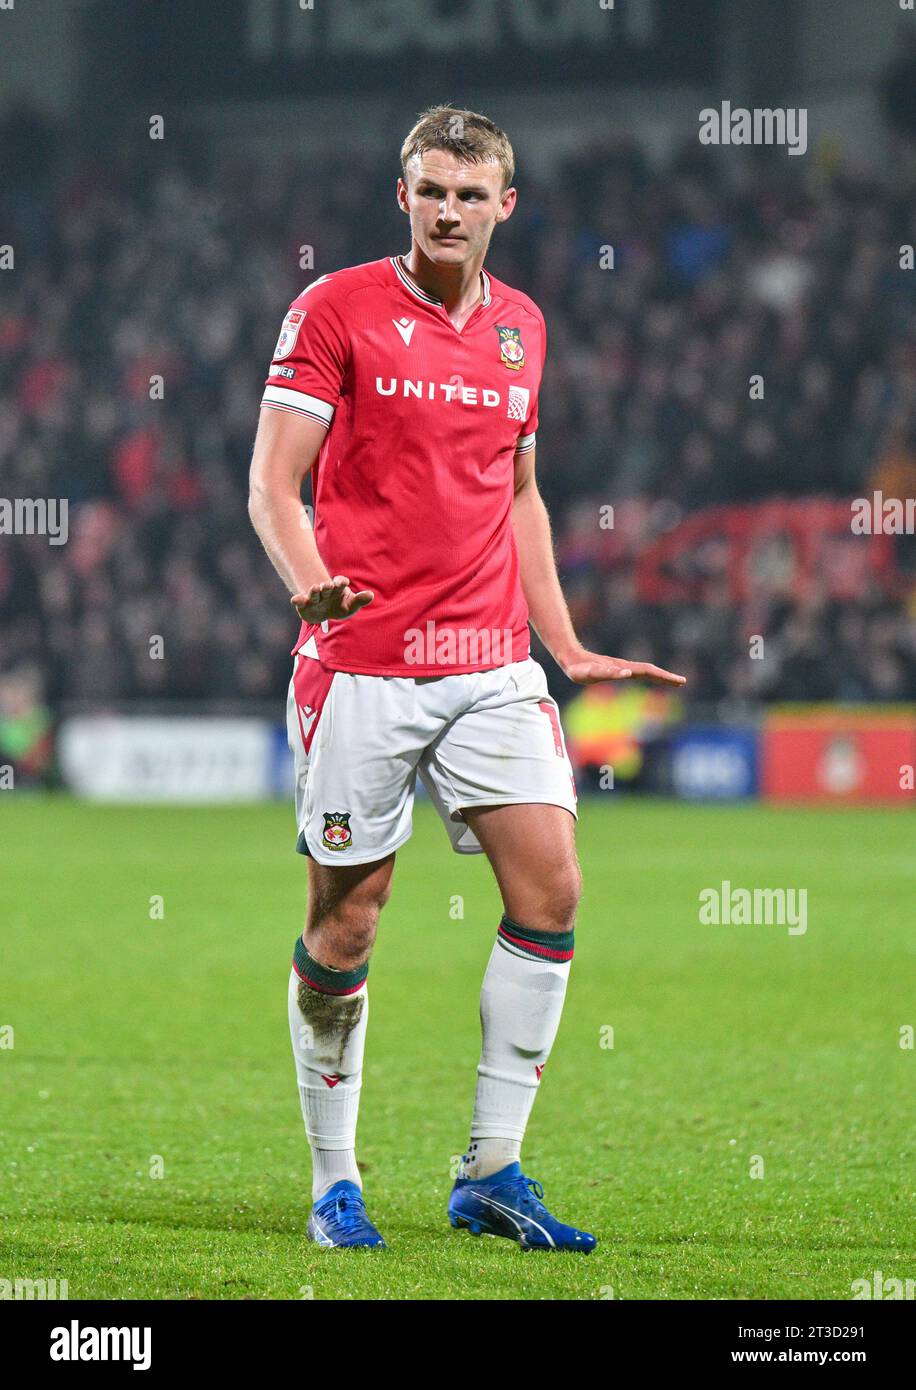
[{"x": 453, "y": 206}]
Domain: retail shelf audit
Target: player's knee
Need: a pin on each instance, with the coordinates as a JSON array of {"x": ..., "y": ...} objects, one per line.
[
  {"x": 347, "y": 926},
  {"x": 563, "y": 898},
  {"x": 551, "y": 904},
  {"x": 346, "y": 936},
  {"x": 361, "y": 906}
]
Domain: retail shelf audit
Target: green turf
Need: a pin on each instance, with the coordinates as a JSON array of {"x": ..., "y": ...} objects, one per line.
[{"x": 137, "y": 1037}]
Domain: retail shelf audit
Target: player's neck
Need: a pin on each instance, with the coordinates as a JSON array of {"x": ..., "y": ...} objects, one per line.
[{"x": 459, "y": 287}]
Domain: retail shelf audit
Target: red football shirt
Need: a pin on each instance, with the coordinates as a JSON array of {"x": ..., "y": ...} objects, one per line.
[{"x": 414, "y": 483}]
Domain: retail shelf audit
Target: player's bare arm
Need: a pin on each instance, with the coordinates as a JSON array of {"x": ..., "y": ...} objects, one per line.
[
  {"x": 546, "y": 605},
  {"x": 285, "y": 451}
]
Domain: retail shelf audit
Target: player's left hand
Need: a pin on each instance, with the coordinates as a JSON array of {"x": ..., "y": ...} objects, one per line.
[
  {"x": 587, "y": 668},
  {"x": 331, "y": 598}
]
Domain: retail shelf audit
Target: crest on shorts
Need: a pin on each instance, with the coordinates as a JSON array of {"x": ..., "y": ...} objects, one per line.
[
  {"x": 289, "y": 332},
  {"x": 511, "y": 348},
  {"x": 337, "y": 833}
]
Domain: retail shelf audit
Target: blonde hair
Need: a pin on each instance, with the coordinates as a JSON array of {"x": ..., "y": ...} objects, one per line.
[{"x": 465, "y": 134}]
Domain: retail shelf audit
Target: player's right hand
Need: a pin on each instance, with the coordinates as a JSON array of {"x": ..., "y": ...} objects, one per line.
[{"x": 332, "y": 598}]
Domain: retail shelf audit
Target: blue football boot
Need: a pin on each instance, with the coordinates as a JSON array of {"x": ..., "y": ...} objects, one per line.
[
  {"x": 508, "y": 1204},
  {"x": 339, "y": 1219}
]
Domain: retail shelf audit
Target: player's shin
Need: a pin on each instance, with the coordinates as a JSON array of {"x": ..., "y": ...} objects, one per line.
[
  {"x": 328, "y": 1013},
  {"x": 521, "y": 1003}
]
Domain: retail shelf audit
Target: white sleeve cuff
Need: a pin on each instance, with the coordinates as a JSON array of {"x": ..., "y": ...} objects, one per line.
[{"x": 282, "y": 398}]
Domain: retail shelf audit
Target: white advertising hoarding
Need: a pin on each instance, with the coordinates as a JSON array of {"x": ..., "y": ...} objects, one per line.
[{"x": 119, "y": 758}]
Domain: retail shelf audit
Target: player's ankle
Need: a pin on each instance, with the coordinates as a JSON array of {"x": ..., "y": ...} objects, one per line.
[
  {"x": 488, "y": 1156},
  {"x": 330, "y": 1166}
]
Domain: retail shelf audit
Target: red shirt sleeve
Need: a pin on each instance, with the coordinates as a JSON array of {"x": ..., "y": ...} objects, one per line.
[{"x": 312, "y": 355}]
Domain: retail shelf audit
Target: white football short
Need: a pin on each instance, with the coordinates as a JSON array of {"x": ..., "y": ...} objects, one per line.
[{"x": 490, "y": 738}]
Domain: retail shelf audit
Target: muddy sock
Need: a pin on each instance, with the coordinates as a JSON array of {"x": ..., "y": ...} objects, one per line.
[{"x": 328, "y": 1013}]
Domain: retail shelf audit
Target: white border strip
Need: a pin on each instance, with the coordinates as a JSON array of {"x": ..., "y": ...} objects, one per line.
[{"x": 282, "y": 398}]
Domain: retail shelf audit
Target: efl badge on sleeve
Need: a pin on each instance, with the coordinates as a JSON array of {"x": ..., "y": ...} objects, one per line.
[
  {"x": 337, "y": 833},
  {"x": 289, "y": 333},
  {"x": 511, "y": 349}
]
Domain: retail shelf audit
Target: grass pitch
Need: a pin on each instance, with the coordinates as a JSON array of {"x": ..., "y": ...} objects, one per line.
[{"x": 146, "y": 1045}]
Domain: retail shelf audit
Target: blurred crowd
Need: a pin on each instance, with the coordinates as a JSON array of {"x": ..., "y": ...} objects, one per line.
[{"x": 139, "y": 320}]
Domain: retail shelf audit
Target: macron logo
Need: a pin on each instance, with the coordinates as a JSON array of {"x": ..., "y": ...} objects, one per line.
[{"x": 405, "y": 327}]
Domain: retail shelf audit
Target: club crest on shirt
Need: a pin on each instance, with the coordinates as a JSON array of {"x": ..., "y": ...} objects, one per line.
[
  {"x": 337, "y": 833},
  {"x": 511, "y": 348},
  {"x": 289, "y": 332}
]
